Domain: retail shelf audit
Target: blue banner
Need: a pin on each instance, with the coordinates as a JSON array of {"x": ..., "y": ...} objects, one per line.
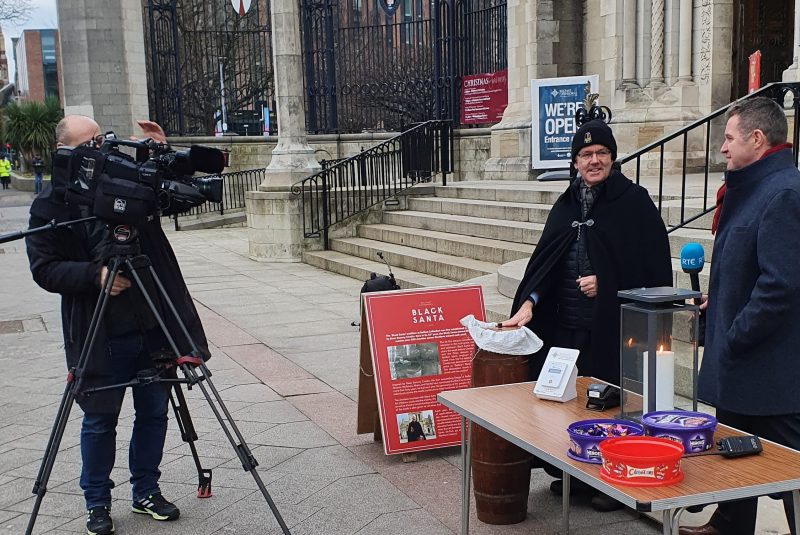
[{"x": 554, "y": 102}]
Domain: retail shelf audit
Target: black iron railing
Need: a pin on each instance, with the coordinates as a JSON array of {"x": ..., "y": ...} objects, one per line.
[
  {"x": 366, "y": 67},
  {"x": 234, "y": 187},
  {"x": 693, "y": 144},
  {"x": 353, "y": 185}
]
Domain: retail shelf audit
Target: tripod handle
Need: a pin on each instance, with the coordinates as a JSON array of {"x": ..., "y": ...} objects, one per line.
[{"x": 51, "y": 225}]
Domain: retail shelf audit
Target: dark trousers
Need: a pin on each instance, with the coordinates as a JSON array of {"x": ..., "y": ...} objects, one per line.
[
  {"x": 128, "y": 355},
  {"x": 739, "y": 517}
]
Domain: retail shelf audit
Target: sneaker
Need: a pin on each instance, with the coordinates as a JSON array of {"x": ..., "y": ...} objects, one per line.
[
  {"x": 156, "y": 506},
  {"x": 98, "y": 521}
]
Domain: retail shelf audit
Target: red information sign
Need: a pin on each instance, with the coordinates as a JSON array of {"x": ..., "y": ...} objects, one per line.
[
  {"x": 419, "y": 349},
  {"x": 754, "y": 72},
  {"x": 484, "y": 97}
]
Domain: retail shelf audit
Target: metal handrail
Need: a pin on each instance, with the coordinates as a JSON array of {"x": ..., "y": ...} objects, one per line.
[
  {"x": 776, "y": 91},
  {"x": 352, "y": 185},
  {"x": 234, "y": 187}
]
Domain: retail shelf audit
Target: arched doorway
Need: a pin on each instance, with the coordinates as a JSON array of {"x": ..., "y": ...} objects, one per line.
[{"x": 764, "y": 25}]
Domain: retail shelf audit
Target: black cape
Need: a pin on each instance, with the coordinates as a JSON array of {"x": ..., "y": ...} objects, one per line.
[
  {"x": 628, "y": 248},
  {"x": 61, "y": 262}
]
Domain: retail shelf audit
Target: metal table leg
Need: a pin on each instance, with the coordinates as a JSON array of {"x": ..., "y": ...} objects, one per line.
[
  {"x": 565, "y": 503},
  {"x": 667, "y": 521},
  {"x": 466, "y": 466},
  {"x": 796, "y": 502}
]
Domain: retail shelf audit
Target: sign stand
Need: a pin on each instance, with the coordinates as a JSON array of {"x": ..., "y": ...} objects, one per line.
[
  {"x": 412, "y": 347},
  {"x": 367, "y": 419}
]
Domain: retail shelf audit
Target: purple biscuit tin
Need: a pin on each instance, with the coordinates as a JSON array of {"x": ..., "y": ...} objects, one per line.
[
  {"x": 695, "y": 430},
  {"x": 585, "y": 447}
]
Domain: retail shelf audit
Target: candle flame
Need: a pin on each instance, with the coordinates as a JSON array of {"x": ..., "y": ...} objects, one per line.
[
  {"x": 630, "y": 342},
  {"x": 661, "y": 348}
]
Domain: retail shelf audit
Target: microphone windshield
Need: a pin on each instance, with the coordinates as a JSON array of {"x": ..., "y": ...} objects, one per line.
[{"x": 692, "y": 257}]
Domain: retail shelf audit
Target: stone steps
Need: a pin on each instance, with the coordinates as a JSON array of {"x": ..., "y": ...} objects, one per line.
[
  {"x": 486, "y": 249},
  {"x": 453, "y": 268},
  {"x": 489, "y": 228},
  {"x": 508, "y": 211},
  {"x": 361, "y": 268}
]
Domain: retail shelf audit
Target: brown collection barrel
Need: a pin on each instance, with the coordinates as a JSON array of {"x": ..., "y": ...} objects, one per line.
[{"x": 500, "y": 470}]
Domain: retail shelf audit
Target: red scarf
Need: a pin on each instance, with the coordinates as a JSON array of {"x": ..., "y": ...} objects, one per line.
[{"x": 723, "y": 187}]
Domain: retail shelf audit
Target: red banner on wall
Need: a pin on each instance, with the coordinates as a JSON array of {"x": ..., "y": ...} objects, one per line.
[
  {"x": 484, "y": 97},
  {"x": 754, "y": 72},
  {"x": 420, "y": 349}
]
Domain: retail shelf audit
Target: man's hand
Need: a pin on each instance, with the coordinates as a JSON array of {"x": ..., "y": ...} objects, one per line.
[
  {"x": 703, "y": 302},
  {"x": 119, "y": 285},
  {"x": 153, "y": 131},
  {"x": 588, "y": 285},
  {"x": 522, "y": 317}
]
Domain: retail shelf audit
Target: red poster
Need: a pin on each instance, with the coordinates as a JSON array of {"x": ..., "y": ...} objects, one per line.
[
  {"x": 484, "y": 97},
  {"x": 419, "y": 349},
  {"x": 754, "y": 74}
]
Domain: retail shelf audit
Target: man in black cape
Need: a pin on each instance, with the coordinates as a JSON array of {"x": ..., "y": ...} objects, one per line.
[{"x": 603, "y": 234}]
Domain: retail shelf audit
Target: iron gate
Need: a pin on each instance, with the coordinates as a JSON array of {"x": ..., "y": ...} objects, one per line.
[
  {"x": 207, "y": 65},
  {"x": 384, "y": 64}
]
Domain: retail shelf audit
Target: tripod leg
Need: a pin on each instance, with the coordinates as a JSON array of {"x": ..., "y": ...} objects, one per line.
[
  {"x": 189, "y": 435},
  {"x": 74, "y": 384},
  {"x": 246, "y": 457}
]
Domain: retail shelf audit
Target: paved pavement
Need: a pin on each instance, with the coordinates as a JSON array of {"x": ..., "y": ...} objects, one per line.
[{"x": 285, "y": 360}]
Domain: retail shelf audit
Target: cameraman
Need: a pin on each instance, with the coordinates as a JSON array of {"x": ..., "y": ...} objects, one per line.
[{"x": 71, "y": 262}]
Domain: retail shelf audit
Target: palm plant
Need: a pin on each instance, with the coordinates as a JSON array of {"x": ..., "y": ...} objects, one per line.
[{"x": 30, "y": 127}]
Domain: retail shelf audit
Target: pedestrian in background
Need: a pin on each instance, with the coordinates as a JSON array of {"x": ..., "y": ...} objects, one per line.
[
  {"x": 5, "y": 171},
  {"x": 38, "y": 169}
]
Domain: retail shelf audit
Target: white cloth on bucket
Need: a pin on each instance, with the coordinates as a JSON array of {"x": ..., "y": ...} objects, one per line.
[{"x": 522, "y": 341}]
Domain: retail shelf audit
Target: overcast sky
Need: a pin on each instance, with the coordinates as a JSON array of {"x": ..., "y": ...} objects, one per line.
[{"x": 43, "y": 16}]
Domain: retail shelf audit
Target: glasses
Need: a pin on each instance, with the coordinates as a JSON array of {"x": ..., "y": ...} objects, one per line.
[{"x": 601, "y": 154}]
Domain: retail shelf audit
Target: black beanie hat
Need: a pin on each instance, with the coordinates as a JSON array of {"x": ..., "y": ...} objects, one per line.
[{"x": 594, "y": 132}]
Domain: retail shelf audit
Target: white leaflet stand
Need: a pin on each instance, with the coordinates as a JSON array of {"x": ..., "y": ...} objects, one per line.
[{"x": 557, "y": 379}]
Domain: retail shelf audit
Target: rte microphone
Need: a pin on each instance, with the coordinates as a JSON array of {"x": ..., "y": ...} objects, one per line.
[{"x": 692, "y": 260}]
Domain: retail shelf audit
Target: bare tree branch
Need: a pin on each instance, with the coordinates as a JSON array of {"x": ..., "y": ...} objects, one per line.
[{"x": 15, "y": 10}]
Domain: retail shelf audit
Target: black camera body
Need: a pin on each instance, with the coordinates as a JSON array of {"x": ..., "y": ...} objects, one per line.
[{"x": 133, "y": 189}]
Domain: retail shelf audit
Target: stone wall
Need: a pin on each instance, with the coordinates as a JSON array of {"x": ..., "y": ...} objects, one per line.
[{"x": 470, "y": 149}]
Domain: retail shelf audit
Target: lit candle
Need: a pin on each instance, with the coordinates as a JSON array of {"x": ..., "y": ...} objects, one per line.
[{"x": 665, "y": 380}]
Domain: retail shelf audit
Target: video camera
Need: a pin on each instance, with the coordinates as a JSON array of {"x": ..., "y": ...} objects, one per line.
[{"x": 132, "y": 189}]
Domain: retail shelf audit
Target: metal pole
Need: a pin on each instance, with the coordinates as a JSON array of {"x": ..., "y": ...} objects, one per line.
[{"x": 222, "y": 97}]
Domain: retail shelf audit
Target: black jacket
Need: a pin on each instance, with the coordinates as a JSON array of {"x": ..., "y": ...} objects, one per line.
[
  {"x": 63, "y": 262},
  {"x": 627, "y": 247}
]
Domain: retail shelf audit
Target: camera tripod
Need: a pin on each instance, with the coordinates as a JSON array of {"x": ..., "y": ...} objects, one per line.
[{"x": 125, "y": 254}]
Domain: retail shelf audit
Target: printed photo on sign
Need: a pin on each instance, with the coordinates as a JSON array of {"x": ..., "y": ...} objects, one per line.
[
  {"x": 554, "y": 102},
  {"x": 416, "y": 426},
  {"x": 414, "y": 360}
]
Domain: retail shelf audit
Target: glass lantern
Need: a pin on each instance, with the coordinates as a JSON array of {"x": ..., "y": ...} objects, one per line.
[{"x": 653, "y": 323}]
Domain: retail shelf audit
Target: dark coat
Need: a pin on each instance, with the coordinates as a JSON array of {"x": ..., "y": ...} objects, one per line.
[
  {"x": 62, "y": 261},
  {"x": 415, "y": 432},
  {"x": 627, "y": 247},
  {"x": 751, "y": 365}
]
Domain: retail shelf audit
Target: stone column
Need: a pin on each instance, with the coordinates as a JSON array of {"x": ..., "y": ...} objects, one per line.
[
  {"x": 629, "y": 43},
  {"x": 274, "y": 214},
  {"x": 685, "y": 42},
  {"x": 532, "y": 29},
  {"x": 103, "y": 62},
  {"x": 657, "y": 43},
  {"x": 642, "y": 42},
  {"x": 792, "y": 74}
]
